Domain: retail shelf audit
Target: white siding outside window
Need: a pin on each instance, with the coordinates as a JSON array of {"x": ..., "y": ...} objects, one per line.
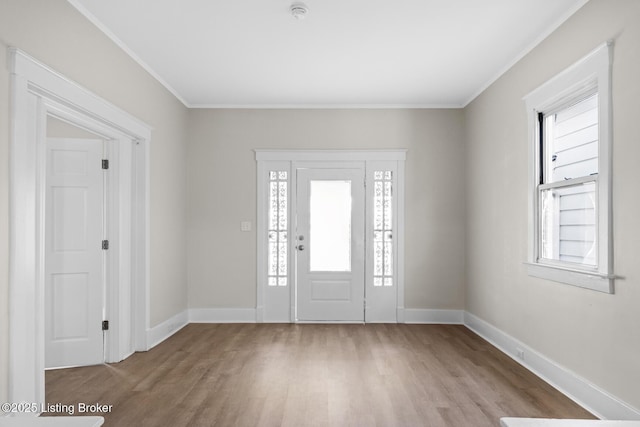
[{"x": 569, "y": 147}]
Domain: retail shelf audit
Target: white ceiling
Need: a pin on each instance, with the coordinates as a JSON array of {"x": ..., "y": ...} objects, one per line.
[{"x": 345, "y": 53}]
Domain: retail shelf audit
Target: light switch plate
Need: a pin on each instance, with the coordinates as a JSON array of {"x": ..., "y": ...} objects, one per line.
[{"x": 245, "y": 226}]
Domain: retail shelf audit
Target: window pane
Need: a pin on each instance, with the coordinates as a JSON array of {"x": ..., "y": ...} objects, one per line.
[
  {"x": 568, "y": 224},
  {"x": 282, "y": 253},
  {"x": 330, "y": 226},
  {"x": 388, "y": 258},
  {"x": 378, "y": 202},
  {"x": 378, "y": 254},
  {"x": 273, "y": 253},
  {"x": 571, "y": 141},
  {"x": 387, "y": 205},
  {"x": 282, "y": 205},
  {"x": 273, "y": 205}
]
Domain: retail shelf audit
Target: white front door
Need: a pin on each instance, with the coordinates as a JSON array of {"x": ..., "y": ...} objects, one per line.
[
  {"x": 74, "y": 278},
  {"x": 330, "y": 244}
]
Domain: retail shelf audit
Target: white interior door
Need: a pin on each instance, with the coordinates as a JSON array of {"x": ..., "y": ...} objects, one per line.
[
  {"x": 330, "y": 245},
  {"x": 74, "y": 281}
]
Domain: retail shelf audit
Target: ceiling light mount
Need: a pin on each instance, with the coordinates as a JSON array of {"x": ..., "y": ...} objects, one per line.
[{"x": 299, "y": 10}]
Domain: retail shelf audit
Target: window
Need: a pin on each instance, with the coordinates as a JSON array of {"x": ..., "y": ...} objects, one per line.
[
  {"x": 330, "y": 226},
  {"x": 567, "y": 191},
  {"x": 382, "y": 229},
  {"x": 277, "y": 233},
  {"x": 570, "y": 200}
]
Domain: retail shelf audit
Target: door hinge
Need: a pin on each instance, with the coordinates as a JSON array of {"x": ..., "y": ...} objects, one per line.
[
  {"x": 105, "y": 164},
  {"x": 105, "y": 244},
  {"x": 105, "y": 325}
]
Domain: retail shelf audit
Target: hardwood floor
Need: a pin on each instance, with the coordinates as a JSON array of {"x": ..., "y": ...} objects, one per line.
[{"x": 313, "y": 375}]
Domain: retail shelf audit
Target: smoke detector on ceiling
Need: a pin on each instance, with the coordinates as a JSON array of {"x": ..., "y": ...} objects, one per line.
[{"x": 299, "y": 10}]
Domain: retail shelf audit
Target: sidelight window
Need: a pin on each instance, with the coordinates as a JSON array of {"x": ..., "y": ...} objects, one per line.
[
  {"x": 382, "y": 228},
  {"x": 277, "y": 229}
]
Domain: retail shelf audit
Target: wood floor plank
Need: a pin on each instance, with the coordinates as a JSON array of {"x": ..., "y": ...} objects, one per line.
[{"x": 313, "y": 375}]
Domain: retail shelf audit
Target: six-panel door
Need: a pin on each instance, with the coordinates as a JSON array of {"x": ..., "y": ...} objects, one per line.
[{"x": 73, "y": 254}]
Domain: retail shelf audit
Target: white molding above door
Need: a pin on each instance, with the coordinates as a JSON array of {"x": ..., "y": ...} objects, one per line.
[
  {"x": 37, "y": 92},
  {"x": 277, "y": 304},
  {"x": 330, "y": 155}
]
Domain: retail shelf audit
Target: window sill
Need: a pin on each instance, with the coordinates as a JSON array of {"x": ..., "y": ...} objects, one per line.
[{"x": 584, "y": 279}]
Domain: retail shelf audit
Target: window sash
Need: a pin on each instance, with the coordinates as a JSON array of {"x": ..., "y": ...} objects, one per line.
[
  {"x": 569, "y": 182},
  {"x": 547, "y": 135},
  {"x": 540, "y": 237},
  {"x": 552, "y": 249}
]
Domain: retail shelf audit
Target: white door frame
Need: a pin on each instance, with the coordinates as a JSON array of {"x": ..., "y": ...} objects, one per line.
[
  {"x": 37, "y": 92},
  {"x": 277, "y": 304}
]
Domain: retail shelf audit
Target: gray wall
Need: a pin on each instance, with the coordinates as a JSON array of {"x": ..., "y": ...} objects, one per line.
[
  {"x": 595, "y": 335},
  {"x": 56, "y": 34},
  {"x": 222, "y": 192}
]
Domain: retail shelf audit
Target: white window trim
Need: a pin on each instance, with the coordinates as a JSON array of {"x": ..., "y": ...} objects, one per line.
[
  {"x": 271, "y": 301},
  {"x": 594, "y": 70}
]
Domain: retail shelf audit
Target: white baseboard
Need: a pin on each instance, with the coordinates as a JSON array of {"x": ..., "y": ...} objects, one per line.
[
  {"x": 164, "y": 330},
  {"x": 248, "y": 315},
  {"x": 589, "y": 396},
  {"x": 452, "y": 317},
  {"x": 222, "y": 315}
]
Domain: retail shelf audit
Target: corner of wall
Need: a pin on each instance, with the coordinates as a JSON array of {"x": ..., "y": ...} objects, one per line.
[{"x": 166, "y": 329}]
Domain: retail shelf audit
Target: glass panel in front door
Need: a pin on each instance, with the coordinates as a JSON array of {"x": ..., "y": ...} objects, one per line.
[{"x": 330, "y": 226}]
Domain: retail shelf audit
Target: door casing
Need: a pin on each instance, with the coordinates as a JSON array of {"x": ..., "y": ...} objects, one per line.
[{"x": 37, "y": 93}]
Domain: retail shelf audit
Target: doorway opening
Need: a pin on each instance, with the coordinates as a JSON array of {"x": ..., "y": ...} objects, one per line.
[
  {"x": 330, "y": 236},
  {"x": 75, "y": 246},
  {"x": 43, "y": 100}
]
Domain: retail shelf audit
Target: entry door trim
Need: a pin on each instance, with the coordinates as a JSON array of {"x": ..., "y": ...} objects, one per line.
[{"x": 277, "y": 304}]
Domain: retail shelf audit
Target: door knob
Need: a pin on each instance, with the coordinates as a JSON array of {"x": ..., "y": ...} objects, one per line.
[{"x": 300, "y": 247}]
